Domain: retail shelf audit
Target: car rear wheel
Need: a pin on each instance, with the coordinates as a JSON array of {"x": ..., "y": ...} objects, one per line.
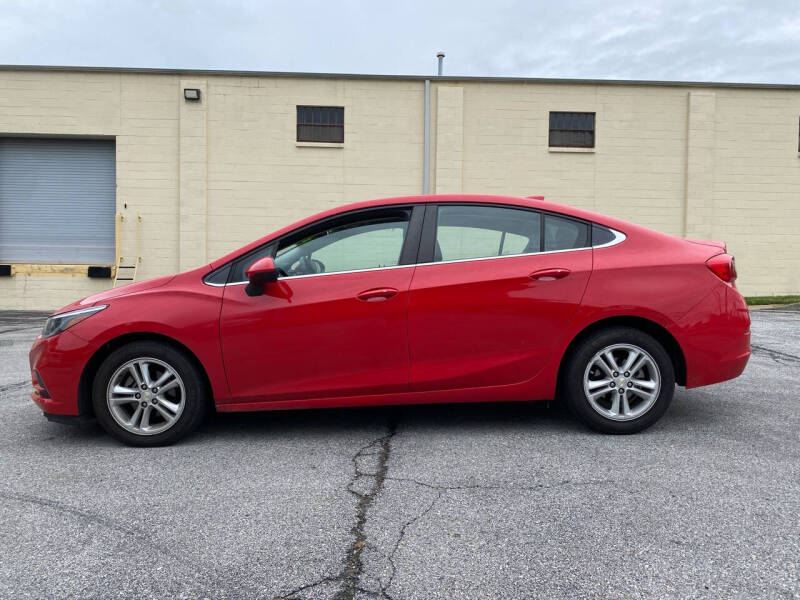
[
  {"x": 148, "y": 394},
  {"x": 619, "y": 380}
]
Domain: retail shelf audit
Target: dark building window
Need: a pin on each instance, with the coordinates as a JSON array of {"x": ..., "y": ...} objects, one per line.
[
  {"x": 320, "y": 124},
  {"x": 571, "y": 130}
]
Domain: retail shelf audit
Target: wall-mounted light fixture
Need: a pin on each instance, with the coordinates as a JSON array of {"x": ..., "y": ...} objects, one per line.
[{"x": 191, "y": 94}]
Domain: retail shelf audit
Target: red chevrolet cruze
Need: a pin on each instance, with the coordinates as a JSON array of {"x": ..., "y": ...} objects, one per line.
[{"x": 401, "y": 301}]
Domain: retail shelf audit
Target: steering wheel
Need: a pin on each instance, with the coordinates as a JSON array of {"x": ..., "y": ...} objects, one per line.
[
  {"x": 316, "y": 266},
  {"x": 310, "y": 266}
]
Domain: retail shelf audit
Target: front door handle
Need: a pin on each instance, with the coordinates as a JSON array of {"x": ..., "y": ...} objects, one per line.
[
  {"x": 549, "y": 274},
  {"x": 377, "y": 294}
]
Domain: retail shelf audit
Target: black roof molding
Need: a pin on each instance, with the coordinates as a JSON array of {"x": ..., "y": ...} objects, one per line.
[{"x": 445, "y": 78}]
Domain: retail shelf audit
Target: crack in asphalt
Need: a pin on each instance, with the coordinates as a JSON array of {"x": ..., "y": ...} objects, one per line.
[
  {"x": 384, "y": 589},
  {"x": 441, "y": 490},
  {"x": 478, "y": 486},
  {"x": 777, "y": 356},
  {"x": 72, "y": 510},
  {"x": 782, "y": 311},
  {"x": 354, "y": 565},
  {"x": 292, "y": 594},
  {"x": 110, "y": 524},
  {"x": 16, "y": 329},
  {"x": 350, "y": 576},
  {"x": 13, "y": 386}
]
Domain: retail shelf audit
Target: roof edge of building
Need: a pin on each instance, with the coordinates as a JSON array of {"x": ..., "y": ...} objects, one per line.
[{"x": 445, "y": 78}]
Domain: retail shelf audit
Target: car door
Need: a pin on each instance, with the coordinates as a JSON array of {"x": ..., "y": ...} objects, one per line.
[
  {"x": 494, "y": 289},
  {"x": 334, "y": 324}
]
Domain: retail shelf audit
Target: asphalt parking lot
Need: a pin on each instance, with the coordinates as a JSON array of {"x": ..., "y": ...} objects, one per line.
[{"x": 491, "y": 501}]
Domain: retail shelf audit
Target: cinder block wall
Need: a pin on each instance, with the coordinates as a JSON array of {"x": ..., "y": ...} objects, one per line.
[
  {"x": 717, "y": 163},
  {"x": 141, "y": 113},
  {"x": 260, "y": 178},
  {"x": 708, "y": 162}
]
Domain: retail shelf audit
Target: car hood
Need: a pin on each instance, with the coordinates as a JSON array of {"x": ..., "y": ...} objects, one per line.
[{"x": 125, "y": 290}]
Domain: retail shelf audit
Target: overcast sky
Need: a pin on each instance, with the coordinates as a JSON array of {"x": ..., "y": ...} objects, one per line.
[{"x": 749, "y": 41}]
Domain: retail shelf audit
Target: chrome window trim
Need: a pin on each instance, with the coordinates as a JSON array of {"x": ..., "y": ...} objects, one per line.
[
  {"x": 331, "y": 273},
  {"x": 619, "y": 237}
]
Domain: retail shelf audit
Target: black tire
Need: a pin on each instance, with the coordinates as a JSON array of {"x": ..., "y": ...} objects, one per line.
[
  {"x": 578, "y": 362},
  {"x": 195, "y": 394}
]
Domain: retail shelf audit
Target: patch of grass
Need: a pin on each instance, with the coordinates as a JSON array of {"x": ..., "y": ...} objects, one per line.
[{"x": 754, "y": 300}]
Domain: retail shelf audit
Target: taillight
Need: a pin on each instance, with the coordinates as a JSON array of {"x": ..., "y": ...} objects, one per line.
[{"x": 723, "y": 266}]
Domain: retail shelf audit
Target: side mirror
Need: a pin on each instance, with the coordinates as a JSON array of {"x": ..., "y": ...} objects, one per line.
[{"x": 261, "y": 272}]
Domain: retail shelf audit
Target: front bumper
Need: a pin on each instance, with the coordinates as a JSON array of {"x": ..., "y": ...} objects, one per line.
[
  {"x": 59, "y": 362},
  {"x": 70, "y": 419}
]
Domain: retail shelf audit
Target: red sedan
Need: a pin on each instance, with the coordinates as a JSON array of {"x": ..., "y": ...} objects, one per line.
[{"x": 420, "y": 299}]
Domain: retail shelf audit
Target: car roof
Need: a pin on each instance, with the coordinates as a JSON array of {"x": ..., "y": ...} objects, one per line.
[
  {"x": 530, "y": 202},
  {"x": 534, "y": 202}
]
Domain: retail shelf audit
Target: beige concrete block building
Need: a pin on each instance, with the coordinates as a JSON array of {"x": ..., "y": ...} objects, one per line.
[{"x": 110, "y": 167}]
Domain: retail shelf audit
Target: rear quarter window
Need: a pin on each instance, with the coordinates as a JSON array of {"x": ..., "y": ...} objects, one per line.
[
  {"x": 601, "y": 235},
  {"x": 564, "y": 234}
]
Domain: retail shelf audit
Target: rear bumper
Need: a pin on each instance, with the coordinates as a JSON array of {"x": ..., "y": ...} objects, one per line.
[
  {"x": 725, "y": 369},
  {"x": 56, "y": 367},
  {"x": 715, "y": 338}
]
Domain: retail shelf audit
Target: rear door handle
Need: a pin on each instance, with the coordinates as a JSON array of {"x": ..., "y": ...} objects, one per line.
[
  {"x": 549, "y": 274},
  {"x": 377, "y": 294}
]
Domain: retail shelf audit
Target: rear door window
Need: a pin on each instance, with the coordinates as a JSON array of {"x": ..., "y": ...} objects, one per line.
[{"x": 469, "y": 232}]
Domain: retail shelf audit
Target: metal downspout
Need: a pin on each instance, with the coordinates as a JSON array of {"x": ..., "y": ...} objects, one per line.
[{"x": 427, "y": 150}]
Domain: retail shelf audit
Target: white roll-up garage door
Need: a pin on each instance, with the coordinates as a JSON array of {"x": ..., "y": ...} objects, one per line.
[{"x": 57, "y": 201}]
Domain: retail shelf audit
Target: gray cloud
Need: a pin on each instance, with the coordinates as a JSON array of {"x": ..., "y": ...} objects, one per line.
[{"x": 740, "y": 40}]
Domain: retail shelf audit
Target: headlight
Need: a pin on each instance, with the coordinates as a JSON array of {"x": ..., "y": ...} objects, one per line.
[{"x": 58, "y": 323}]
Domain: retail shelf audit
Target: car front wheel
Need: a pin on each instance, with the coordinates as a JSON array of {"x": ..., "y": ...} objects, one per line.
[
  {"x": 148, "y": 394},
  {"x": 619, "y": 380}
]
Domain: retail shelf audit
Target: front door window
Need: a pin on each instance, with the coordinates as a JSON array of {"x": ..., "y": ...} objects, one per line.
[{"x": 370, "y": 242}]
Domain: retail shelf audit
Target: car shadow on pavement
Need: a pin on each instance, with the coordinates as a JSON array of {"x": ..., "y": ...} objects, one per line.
[
  {"x": 684, "y": 414},
  {"x": 538, "y": 416},
  {"x": 541, "y": 416}
]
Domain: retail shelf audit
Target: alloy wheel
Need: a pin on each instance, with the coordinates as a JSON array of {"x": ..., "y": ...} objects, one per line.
[
  {"x": 146, "y": 396},
  {"x": 622, "y": 382}
]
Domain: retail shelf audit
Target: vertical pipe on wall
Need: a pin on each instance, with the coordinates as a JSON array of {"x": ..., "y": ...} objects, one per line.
[{"x": 427, "y": 149}]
